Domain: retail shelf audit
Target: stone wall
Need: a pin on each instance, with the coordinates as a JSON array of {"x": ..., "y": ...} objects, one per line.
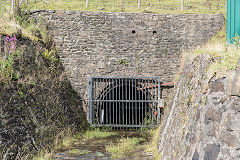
[
  {"x": 204, "y": 120},
  {"x": 134, "y": 44}
]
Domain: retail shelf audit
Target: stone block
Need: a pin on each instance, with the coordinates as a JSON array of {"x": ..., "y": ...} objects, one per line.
[
  {"x": 212, "y": 115},
  {"x": 233, "y": 83},
  {"x": 211, "y": 152},
  {"x": 195, "y": 156},
  {"x": 230, "y": 139},
  {"x": 211, "y": 129},
  {"x": 216, "y": 86}
]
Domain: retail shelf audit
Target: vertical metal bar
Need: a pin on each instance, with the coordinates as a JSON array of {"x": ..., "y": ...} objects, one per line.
[
  {"x": 139, "y": 103},
  {"x": 122, "y": 104},
  {"x": 146, "y": 104},
  {"x": 156, "y": 98},
  {"x": 109, "y": 103},
  {"x": 106, "y": 103},
  {"x": 136, "y": 104},
  {"x": 142, "y": 102},
  {"x": 152, "y": 104},
  {"x": 129, "y": 103},
  {"x": 119, "y": 86},
  {"x": 182, "y": 5},
  {"x": 101, "y": 103},
  {"x": 97, "y": 103},
  {"x": 90, "y": 101},
  {"x": 126, "y": 100},
  {"x": 113, "y": 98},
  {"x": 133, "y": 105},
  {"x": 86, "y": 3},
  {"x": 93, "y": 106},
  {"x": 159, "y": 90}
]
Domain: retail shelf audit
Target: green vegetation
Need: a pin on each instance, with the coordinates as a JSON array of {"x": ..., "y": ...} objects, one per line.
[
  {"x": 84, "y": 152},
  {"x": 74, "y": 152},
  {"x": 123, "y": 147},
  {"x": 99, "y": 154},
  {"x": 224, "y": 61},
  {"x": 50, "y": 55},
  {"x": 225, "y": 56},
  {"x": 152, "y": 145},
  {"x": 146, "y": 6},
  {"x": 6, "y": 68},
  {"x": 43, "y": 156},
  {"x": 21, "y": 24},
  {"x": 67, "y": 142},
  {"x": 97, "y": 133},
  {"x": 123, "y": 62},
  {"x": 36, "y": 90}
]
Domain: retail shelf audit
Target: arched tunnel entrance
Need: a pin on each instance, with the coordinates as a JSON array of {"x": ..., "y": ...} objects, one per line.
[{"x": 124, "y": 101}]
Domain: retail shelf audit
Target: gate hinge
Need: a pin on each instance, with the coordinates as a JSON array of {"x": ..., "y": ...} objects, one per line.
[{"x": 160, "y": 103}]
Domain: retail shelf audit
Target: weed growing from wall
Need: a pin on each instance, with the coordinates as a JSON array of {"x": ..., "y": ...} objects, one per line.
[
  {"x": 50, "y": 55},
  {"x": 123, "y": 62}
]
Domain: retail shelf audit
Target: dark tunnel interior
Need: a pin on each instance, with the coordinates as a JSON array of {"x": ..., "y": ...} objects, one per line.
[{"x": 126, "y": 103}]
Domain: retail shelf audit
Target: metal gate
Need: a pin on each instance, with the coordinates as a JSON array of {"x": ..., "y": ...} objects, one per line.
[{"x": 124, "y": 101}]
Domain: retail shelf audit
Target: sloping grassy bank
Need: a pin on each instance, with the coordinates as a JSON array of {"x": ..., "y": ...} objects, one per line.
[{"x": 38, "y": 106}]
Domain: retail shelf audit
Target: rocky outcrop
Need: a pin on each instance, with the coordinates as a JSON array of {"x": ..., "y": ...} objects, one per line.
[{"x": 204, "y": 120}]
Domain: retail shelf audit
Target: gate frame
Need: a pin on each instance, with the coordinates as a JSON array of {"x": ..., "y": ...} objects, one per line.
[{"x": 159, "y": 101}]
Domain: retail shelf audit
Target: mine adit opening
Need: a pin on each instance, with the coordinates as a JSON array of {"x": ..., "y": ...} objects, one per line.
[{"x": 124, "y": 101}]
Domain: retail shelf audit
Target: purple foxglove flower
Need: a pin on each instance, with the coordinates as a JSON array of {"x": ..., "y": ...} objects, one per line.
[{"x": 7, "y": 38}]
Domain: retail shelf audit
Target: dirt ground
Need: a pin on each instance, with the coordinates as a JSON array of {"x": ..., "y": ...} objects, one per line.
[{"x": 94, "y": 149}]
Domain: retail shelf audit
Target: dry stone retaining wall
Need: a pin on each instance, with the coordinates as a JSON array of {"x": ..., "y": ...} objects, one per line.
[
  {"x": 205, "y": 119},
  {"x": 132, "y": 44}
]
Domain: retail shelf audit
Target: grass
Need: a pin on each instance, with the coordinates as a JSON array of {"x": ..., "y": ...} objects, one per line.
[
  {"x": 123, "y": 147},
  {"x": 152, "y": 145},
  {"x": 6, "y": 68},
  {"x": 226, "y": 60},
  {"x": 74, "y": 152},
  {"x": 67, "y": 142},
  {"x": 225, "y": 56},
  {"x": 99, "y": 154},
  {"x": 9, "y": 24},
  {"x": 152, "y": 6},
  {"x": 84, "y": 152},
  {"x": 97, "y": 133},
  {"x": 20, "y": 24},
  {"x": 44, "y": 156},
  {"x": 148, "y": 6}
]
